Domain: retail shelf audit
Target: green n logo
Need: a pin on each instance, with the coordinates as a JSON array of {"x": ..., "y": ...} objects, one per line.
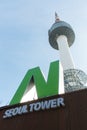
[{"x": 43, "y": 88}]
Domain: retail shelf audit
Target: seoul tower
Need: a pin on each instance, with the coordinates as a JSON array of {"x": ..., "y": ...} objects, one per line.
[{"x": 61, "y": 37}]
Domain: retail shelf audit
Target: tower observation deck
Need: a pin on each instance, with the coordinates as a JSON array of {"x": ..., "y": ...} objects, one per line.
[{"x": 61, "y": 37}]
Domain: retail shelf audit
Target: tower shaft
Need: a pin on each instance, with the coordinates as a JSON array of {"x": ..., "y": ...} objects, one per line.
[{"x": 65, "y": 55}]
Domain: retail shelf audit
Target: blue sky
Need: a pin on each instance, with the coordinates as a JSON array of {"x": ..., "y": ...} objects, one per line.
[{"x": 24, "y": 26}]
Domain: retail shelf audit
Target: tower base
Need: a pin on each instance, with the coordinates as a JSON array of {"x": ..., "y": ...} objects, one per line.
[{"x": 70, "y": 115}]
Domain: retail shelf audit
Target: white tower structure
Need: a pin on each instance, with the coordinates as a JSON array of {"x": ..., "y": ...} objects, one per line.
[{"x": 61, "y": 37}]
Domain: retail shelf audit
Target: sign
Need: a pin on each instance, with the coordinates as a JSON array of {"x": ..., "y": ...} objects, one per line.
[
  {"x": 37, "y": 106},
  {"x": 43, "y": 88}
]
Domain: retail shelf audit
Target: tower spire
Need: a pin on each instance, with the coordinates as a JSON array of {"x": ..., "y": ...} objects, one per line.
[{"x": 57, "y": 19}]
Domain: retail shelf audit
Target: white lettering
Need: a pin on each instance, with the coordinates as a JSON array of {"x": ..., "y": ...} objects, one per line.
[
  {"x": 24, "y": 109},
  {"x": 54, "y": 103},
  {"x": 31, "y": 107},
  {"x": 37, "y": 106},
  {"x": 20, "y": 109},
  {"x": 60, "y": 102},
  {"x": 15, "y": 111},
  {"x": 7, "y": 114},
  {"x": 41, "y": 105},
  {"x": 45, "y": 105}
]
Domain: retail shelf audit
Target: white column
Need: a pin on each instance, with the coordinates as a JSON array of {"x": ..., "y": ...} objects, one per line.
[{"x": 65, "y": 55}]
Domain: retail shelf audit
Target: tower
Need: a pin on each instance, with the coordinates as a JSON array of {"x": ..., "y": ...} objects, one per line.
[{"x": 61, "y": 37}]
